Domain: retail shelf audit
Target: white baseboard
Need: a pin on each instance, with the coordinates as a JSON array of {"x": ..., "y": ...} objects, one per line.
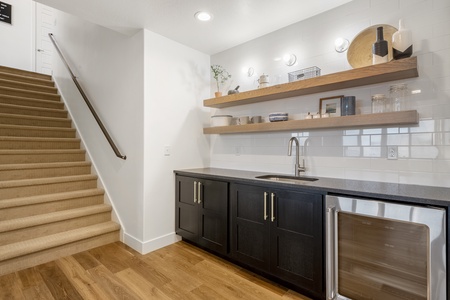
[{"x": 151, "y": 245}]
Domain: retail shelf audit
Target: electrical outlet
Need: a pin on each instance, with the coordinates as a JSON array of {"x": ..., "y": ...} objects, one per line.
[
  {"x": 392, "y": 152},
  {"x": 237, "y": 150}
]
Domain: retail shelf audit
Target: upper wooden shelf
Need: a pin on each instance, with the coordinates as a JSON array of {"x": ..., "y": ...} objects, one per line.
[
  {"x": 394, "y": 70},
  {"x": 369, "y": 120}
]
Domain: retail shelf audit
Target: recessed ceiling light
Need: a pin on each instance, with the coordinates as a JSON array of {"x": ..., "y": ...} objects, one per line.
[{"x": 203, "y": 16}]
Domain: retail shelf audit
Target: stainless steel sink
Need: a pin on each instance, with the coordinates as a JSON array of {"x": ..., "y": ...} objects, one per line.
[{"x": 286, "y": 178}]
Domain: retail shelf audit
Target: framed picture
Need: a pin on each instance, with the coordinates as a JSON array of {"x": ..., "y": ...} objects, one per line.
[{"x": 331, "y": 105}]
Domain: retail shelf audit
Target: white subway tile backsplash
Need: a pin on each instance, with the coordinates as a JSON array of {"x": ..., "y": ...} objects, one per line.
[
  {"x": 440, "y": 4},
  {"x": 359, "y": 153},
  {"x": 424, "y": 152},
  {"x": 422, "y": 139}
]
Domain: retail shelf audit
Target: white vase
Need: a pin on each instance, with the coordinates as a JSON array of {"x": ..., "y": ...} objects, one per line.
[{"x": 402, "y": 42}]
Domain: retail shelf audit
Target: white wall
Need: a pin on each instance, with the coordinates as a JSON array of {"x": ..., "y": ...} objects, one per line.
[
  {"x": 176, "y": 81},
  {"x": 16, "y": 40},
  {"x": 424, "y": 150},
  {"x": 148, "y": 90},
  {"x": 110, "y": 68}
]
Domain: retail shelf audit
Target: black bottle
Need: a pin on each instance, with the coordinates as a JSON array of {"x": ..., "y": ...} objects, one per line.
[{"x": 380, "y": 48}]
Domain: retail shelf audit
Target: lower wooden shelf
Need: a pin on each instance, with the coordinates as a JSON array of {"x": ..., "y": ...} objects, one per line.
[{"x": 409, "y": 117}]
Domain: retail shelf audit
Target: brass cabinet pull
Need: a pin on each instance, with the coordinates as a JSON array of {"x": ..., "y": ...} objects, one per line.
[
  {"x": 265, "y": 206},
  {"x": 272, "y": 204},
  {"x": 195, "y": 191},
  {"x": 199, "y": 193}
]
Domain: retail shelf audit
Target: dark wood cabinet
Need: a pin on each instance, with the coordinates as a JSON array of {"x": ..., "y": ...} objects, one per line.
[
  {"x": 279, "y": 231},
  {"x": 202, "y": 212}
]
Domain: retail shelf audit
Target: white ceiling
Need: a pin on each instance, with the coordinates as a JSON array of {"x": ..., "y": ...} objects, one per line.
[{"x": 234, "y": 21}]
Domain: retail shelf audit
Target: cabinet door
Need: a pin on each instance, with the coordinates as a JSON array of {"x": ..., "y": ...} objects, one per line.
[
  {"x": 213, "y": 215},
  {"x": 250, "y": 225},
  {"x": 296, "y": 239},
  {"x": 186, "y": 213}
]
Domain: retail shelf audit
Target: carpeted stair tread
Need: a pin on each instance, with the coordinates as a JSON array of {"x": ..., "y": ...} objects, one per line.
[
  {"x": 43, "y": 165},
  {"x": 44, "y": 181},
  {"x": 28, "y": 86},
  {"x": 12, "y": 142},
  {"x": 52, "y": 217},
  {"x": 8, "y": 99},
  {"x": 40, "y": 151},
  {"x": 29, "y": 94},
  {"x": 19, "y": 188},
  {"x": 42, "y": 170},
  {"x": 24, "y": 201},
  {"x": 26, "y": 79},
  {"x": 26, "y": 138},
  {"x": 30, "y": 110},
  {"x": 36, "y": 131},
  {"x": 10, "y": 70},
  {"x": 46, "y": 242},
  {"x": 15, "y": 156},
  {"x": 35, "y": 120}
]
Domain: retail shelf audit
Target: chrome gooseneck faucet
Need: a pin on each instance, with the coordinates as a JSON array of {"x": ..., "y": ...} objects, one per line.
[{"x": 298, "y": 167}]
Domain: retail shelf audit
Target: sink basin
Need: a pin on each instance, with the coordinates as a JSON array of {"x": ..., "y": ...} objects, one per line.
[{"x": 286, "y": 178}]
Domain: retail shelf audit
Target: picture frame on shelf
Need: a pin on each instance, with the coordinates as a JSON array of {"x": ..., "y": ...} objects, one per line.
[{"x": 331, "y": 106}]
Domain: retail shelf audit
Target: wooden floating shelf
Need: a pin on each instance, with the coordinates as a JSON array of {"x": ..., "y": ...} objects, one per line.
[
  {"x": 394, "y": 70},
  {"x": 382, "y": 119}
]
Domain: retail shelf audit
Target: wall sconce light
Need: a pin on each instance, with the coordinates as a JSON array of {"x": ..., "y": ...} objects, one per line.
[
  {"x": 341, "y": 45},
  {"x": 248, "y": 71},
  {"x": 290, "y": 59}
]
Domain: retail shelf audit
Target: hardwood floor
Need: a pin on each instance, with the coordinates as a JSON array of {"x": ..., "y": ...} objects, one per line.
[{"x": 115, "y": 271}]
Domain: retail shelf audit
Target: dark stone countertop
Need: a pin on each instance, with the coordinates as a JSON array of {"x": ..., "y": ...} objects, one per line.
[{"x": 428, "y": 195}]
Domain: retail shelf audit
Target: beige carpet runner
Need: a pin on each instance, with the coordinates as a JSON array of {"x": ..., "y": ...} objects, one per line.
[{"x": 50, "y": 205}]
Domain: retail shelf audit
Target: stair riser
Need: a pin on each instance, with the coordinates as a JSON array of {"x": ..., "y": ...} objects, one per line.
[
  {"x": 31, "y": 102},
  {"x": 52, "y": 228},
  {"x": 44, "y": 133},
  {"x": 57, "y": 187},
  {"x": 8, "y": 70},
  {"x": 27, "y": 261},
  {"x": 39, "y": 144},
  {"x": 28, "y": 94},
  {"x": 43, "y": 173},
  {"x": 6, "y": 109},
  {"x": 41, "y": 158},
  {"x": 48, "y": 207},
  {"x": 15, "y": 120},
  {"x": 31, "y": 80},
  {"x": 28, "y": 87}
]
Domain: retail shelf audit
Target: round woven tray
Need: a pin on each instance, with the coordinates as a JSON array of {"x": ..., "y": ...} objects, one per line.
[{"x": 359, "y": 53}]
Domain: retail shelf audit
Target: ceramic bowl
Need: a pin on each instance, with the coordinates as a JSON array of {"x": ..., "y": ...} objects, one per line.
[
  {"x": 221, "y": 120},
  {"x": 278, "y": 116}
]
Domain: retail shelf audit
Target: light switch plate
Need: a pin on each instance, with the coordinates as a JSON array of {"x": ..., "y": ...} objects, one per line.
[{"x": 167, "y": 151}]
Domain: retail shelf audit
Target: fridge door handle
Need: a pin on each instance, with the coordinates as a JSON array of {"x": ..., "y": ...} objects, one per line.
[{"x": 331, "y": 254}]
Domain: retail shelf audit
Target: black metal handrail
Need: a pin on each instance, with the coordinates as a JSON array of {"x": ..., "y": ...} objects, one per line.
[{"x": 86, "y": 99}]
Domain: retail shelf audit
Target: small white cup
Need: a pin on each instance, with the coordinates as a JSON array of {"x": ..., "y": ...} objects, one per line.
[
  {"x": 256, "y": 119},
  {"x": 242, "y": 120}
]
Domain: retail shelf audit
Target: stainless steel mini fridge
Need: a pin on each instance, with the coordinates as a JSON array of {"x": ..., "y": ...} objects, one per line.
[{"x": 380, "y": 250}]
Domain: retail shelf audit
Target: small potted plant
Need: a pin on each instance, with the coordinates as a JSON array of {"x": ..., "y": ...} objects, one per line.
[{"x": 221, "y": 76}]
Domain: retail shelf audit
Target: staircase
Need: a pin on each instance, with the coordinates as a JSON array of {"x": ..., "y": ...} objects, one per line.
[{"x": 50, "y": 205}]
